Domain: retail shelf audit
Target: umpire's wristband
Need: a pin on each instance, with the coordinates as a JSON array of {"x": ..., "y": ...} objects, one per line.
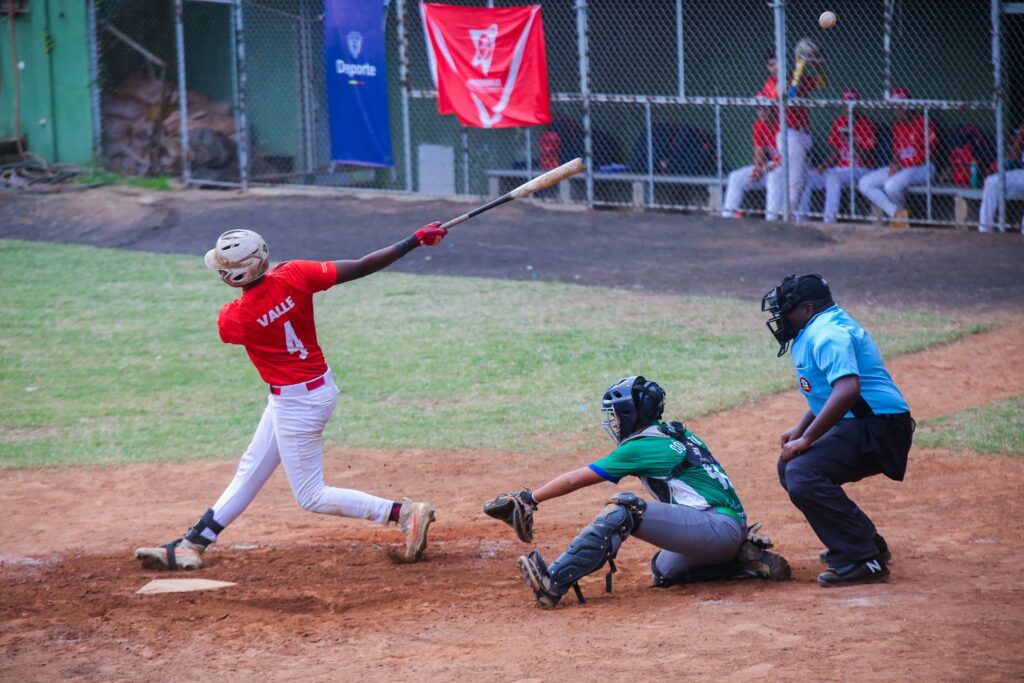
[{"x": 407, "y": 245}]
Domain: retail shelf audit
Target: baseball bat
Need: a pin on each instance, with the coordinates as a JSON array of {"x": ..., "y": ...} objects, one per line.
[{"x": 566, "y": 170}]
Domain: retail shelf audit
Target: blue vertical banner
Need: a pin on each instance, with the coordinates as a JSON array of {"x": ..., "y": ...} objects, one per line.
[{"x": 357, "y": 96}]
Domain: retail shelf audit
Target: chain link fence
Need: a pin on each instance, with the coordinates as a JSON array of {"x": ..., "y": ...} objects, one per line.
[{"x": 673, "y": 104}]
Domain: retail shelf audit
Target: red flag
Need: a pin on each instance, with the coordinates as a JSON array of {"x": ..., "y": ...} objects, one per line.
[{"x": 489, "y": 64}]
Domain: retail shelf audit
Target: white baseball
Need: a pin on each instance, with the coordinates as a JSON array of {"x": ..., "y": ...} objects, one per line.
[{"x": 827, "y": 20}]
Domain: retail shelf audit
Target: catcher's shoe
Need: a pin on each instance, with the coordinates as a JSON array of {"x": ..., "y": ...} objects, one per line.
[
  {"x": 535, "y": 573},
  {"x": 176, "y": 555},
  {"x": 872, "y": 571},
  {"x": 769, "y": 566},
  {"x": 413, "y": 520}
]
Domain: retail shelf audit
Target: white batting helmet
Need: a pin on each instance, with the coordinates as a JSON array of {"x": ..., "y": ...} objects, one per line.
[{"x": 240, "y": 257}]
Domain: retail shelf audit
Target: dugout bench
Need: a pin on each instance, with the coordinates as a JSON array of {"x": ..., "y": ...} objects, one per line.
[{"x": 500, "y": 181}]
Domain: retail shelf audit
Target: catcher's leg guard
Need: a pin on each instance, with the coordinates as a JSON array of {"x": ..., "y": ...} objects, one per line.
[{"x": 597, "y": 544}]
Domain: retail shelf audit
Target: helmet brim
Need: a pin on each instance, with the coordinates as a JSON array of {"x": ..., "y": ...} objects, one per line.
[{"x": 211, "y": 259}]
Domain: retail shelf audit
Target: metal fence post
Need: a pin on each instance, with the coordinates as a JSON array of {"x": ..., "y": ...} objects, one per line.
[
  {"x": 928, "y": 163},
  {"x": 680, "y": 63},
  {"x": 584, "y": 67},
  {"x": 179, "y": 39},
  {"x": 94, "y": 82},
  {"x": 887, "y": 48},
  {"x": 853, "y": 159},
  {"x": 650, "y": 152},
  {"x": 997, "y": 101},
  {"x": 403, "y": 82},
  {"x": 243, "y": 119},
  {"x": 781, "y": 78}
]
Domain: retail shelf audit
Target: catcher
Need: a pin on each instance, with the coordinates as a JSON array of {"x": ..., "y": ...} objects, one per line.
[{"x": 696, "y": 519}]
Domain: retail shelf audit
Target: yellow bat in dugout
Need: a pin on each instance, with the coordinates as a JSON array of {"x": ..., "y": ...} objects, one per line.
[{"x": 555, "y": 175}]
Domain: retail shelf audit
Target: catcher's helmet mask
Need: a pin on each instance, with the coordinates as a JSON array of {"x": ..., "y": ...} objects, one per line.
[
  {"x": 240, "y": 257},
  {"x": 782, "y": 300},
  {"x": 629, "y": 404}
]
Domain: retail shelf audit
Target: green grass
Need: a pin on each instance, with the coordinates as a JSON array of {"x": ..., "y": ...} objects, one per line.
[
  {"x": 90, "y": 176},
  {"x": 113, "y": 356},
  {"x": 995, "y": 428}
]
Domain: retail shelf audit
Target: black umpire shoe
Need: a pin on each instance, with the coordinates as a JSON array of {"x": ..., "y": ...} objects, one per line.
[
  {"x": 872, "y": 571},
  {"x": 883, "y": 551}
]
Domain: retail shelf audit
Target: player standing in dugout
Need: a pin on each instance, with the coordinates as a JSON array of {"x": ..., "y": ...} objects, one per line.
[
  {"x": 274, "y": 321},
  {"x": 858, "y": 425}
]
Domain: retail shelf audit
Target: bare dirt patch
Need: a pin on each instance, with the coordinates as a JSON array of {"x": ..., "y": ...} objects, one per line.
[{"x": 319, "y": 599}]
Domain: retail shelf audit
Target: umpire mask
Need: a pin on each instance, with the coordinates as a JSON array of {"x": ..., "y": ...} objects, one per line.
[
  {"x": 783, "y": 300},
  {"x": 629, "y": 404}
]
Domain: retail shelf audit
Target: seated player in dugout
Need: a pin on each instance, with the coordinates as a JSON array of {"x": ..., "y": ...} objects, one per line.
[{"x": 696, "y": 519}]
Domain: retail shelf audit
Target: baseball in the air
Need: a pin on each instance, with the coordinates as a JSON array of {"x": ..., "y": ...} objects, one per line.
[{"x": 827, "y": 20}]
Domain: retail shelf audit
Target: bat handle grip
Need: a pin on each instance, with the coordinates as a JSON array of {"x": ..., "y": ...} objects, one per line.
[
  {"x": 448, "y": 225},
  {"x": 798, "y": 73}
]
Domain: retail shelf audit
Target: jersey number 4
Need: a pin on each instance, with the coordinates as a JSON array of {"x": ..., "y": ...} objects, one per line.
[{"x": 292, "y": 341}]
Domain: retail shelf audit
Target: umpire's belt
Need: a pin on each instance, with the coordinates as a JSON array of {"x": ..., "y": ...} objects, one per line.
[{"x": 302, "y": 388}]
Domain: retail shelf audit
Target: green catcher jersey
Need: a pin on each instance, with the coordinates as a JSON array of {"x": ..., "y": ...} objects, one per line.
[{"x": 674, "y": 469}]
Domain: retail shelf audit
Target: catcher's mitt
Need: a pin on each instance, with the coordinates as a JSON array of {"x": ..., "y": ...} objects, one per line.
[{"x": 516, "y": 510}]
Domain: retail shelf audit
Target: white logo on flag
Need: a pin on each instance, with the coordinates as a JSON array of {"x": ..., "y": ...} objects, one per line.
[
  {"x": 355, "y": 43},
  {"x": 483, "y": 42}
]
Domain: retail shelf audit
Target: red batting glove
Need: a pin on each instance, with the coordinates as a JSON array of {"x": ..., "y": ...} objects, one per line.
[{"x": 430, "y": 235}]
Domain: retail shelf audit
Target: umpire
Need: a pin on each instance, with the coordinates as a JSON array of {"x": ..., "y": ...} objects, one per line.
[{"x": 858, "y": 425}]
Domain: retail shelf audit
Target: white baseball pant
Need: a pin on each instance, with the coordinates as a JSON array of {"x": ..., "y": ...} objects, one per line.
[
  {"x": 887, "y": 191},
  {"x": 736, "y": 187},
  {"x": 987, "y": 216},
  {"x": 798, "y": 147},
  {"x": 833, "y": 180},
  {"x": 290, "y": 434}
]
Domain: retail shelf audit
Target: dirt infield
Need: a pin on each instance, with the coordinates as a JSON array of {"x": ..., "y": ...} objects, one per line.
[{"x": 319, "y": 599}]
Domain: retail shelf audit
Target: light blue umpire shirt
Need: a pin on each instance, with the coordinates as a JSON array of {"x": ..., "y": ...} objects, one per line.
[{"x": 833, "y": 345}]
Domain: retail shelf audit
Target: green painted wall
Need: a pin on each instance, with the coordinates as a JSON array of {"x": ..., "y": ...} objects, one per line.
[{"x": 56, "y": 114}]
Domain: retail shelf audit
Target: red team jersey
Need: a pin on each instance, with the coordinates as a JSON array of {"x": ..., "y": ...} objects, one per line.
[
  {"x": 863, "y": 139},
  {"x": 764, "y": 136},
  {"x": 796, "y": 117},
  {"x": 274, "y": 321},
  {"x": 908, "y": 141}
]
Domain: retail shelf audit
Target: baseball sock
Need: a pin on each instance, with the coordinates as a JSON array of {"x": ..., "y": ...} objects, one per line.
[{"x": 395, "y": 509}]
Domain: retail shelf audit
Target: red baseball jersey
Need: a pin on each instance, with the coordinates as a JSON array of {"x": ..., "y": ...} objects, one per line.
[
  {"x": 274, "y": 321},
  {"x": 797, "y": 118},
  {"x": 764, "y": 136},
  {"x": 863, "y": 139},
  {"x": 908, "y": 141}
]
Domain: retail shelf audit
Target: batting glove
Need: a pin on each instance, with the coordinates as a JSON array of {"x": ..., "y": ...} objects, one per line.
[{"x": 430, "y": 235}]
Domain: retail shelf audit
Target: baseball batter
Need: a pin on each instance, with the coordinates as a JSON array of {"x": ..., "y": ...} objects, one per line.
[
  {"x": 840, "y": 168},
  {"x": 696, "y": 519},
  {"x": 274, "y": 321},
  {"x": 799, "y": 141},
  {"x": 886, "y": 187}
]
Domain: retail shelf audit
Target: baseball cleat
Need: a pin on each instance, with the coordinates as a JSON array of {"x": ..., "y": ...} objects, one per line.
[
  {"x": 413, "y": 520},
  {"x": 535, "y": 573},
  {"x": 872, "y": 571},
  {"x": 176, "y": 555}
]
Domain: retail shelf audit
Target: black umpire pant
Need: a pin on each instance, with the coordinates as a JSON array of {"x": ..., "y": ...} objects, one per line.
[{"x": 851, "y": 450}]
